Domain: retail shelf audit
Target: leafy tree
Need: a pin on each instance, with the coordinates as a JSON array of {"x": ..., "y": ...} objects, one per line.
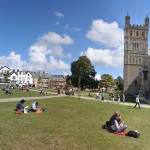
[
  {"x": 106, "y": 81},
  {"x": 119, "y": 82},
  {"x": 69, "y": 82},
  {"x": 82, "y": 72}
]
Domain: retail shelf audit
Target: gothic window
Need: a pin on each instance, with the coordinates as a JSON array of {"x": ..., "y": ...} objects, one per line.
[
  {"x": 136, "y": 61},
  {"x": 133, "y": 60},
  {"x": 126, "y": 45},
  {"x": 137, "y": 46},
  {"x": 130, "y": 59},
  {"x": 130, "y": 33},
  {"x": 139, "y": 60},
  {"x": 137, "y": 33},
  {"x": 143, "y": 33}
]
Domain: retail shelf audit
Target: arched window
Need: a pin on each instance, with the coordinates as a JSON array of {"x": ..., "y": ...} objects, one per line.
[
  {"x": 143, "y": 33},
  {"x": 130, "y": 33},
  {"x": 139, "y": 60},
  {"x": 137, "y": 46},
  {"x": 137, "y": 33}
]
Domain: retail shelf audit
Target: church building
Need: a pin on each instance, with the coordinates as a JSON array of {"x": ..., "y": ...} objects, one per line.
[{"x": 136, "y": 58}]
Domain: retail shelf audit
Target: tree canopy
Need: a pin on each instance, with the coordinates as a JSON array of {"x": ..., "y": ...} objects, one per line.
[
  {"x": 82, "y": 72},
  {"x": 106, "y": 81},
  {"x": 119, "y": 82}
]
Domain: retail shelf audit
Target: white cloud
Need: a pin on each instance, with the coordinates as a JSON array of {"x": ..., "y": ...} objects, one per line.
[
  {"x": 110, "y": 35},
  {"x": 60, "y": 15},
  {"x": 13, "y": 61},
  {"x": 98, "y": 77},
  {"x": 49, "y": 44},
  {"x": 76, "y": 29},
  {"x": 105, "y": 33},
  {"x": 58, "y": 64},
  {"x": 45, "y": 54},
  {"x": 100, "y": 57}
]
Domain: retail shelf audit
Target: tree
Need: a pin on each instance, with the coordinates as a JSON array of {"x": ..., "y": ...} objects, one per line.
[
  {"x": 106, "y": 81},
  {"x": 119, "y": 83},
  {"x": 68, "y": 81},
  {"x": 82, "y": 72}
]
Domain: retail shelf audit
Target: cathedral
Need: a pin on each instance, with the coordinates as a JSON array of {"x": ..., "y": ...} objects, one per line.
[{"x": 136, "y": 59}]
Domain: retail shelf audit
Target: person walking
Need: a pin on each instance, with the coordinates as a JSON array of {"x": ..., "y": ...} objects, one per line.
[
  {"x": 123, "y": 98},
  {"x": 118, "y": 98},
  {"x": 137, "y": 101},
  {"x": 99, "y": 96},
  {"x": 96, "y": 96},
  {"x": 112, "y": 97}
]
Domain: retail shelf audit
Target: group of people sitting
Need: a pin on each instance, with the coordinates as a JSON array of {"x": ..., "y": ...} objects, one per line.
[
  {"x": 34, "y": 107},
  {"x": 115, "y": 124}
]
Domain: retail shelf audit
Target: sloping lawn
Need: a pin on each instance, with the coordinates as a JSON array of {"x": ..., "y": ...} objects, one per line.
[
  {"x": 71, "y": 124},
  {"x": 19, "y": 93}
]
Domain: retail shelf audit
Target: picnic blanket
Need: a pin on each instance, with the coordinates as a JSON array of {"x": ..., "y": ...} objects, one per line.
[{"x": 121, "y": 133}]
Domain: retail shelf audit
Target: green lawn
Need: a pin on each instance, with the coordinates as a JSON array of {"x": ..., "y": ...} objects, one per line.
[
  {"x": 71, "y": 124},
  {"x": 19, "y": 93}
]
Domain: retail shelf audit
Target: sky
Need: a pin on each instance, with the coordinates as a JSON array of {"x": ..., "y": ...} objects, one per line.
[{"x": 48, "y": 35}]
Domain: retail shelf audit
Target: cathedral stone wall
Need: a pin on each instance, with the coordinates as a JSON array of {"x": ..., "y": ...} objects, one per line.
[{"x": 135, "y": 52}]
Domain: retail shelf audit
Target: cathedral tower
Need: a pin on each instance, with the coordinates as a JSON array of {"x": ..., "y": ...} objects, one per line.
[{"x": 135, "y": 51}]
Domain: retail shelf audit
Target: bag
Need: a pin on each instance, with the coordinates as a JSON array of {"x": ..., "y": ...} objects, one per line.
[
  {"x": 26, "y": 109},
  {"x": 19, "y": 112},
  {"x": 133, "y": 133}
]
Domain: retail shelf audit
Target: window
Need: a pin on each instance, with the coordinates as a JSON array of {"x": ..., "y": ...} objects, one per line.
[
  {"x": 130, "y": 33},
  {"x": 143, "y": 34},
  {"x": 137, "y": 33},
  {"x": 135, "y": 82},
  {"x": 14, "y": 77}
]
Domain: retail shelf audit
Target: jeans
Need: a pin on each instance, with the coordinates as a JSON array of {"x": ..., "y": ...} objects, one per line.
[
  {"x": 137, "y": 104},
  {"x": 121, "y": 128}
]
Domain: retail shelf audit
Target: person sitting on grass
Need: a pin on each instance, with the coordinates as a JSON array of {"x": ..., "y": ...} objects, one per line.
[
  {"x": 20, "y": 107},
  {"x": 118, "y": 125},
  {"x": 34, "y": 107}
]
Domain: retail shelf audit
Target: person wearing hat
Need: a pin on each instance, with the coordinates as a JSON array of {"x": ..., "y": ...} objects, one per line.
[{"x": 20, "y": 107}]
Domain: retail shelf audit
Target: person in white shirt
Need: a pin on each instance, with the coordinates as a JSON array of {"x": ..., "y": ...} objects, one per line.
[
  {"x": 137, "y": 101},
  {"x": 34, "y": 106}
]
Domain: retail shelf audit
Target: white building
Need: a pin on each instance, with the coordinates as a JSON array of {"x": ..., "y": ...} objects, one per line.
[
  {"x": 4, "y": 70},
  {"x": 21, "y": 78},
  {"x": 16, "y": 77}
]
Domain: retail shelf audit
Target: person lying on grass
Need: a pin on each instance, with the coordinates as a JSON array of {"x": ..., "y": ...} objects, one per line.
[
  {"x": 20, "y": 107},
  {"x": 118, "y": 125}
]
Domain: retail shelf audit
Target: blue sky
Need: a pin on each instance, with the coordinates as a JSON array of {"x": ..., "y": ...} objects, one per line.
[{"x": 48, "y": 35}]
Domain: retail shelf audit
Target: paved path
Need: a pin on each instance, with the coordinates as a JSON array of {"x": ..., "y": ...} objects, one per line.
[
  {"x": 77, "y": 96},
  {"x": 126, "y": 103}
]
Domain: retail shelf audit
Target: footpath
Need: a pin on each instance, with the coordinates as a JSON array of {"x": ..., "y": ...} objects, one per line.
[{"x": 146, "y": 105}]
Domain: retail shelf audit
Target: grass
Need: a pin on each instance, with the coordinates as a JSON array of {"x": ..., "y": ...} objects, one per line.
[
  {"x": 71, "y": 124},
  {"x": 19, "y": 93}
]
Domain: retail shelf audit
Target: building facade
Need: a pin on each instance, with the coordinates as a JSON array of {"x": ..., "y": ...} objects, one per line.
[{"x": 135, "y": 56}]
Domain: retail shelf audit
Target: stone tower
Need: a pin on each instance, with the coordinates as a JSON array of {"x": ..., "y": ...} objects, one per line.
[{"x": 135, "y": 52}]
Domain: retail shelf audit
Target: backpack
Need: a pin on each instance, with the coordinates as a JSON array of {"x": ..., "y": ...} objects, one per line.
[{"x": 133, "y": 133}]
